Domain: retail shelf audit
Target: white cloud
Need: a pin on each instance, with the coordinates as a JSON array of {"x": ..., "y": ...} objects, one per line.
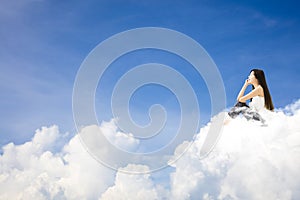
[
  {"x": 132, "y": 186},
  {"x": 121, "y": 140},
  {"x": 291, "y": 108},
  {"x": 248, "y": 162},
  {"x": 32, "y": 171}
]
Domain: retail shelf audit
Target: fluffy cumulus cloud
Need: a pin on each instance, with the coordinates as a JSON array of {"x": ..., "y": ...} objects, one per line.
[
  {"x": 119, "y": 139},
  {"x": 132, "y": 186},
  {"x": 33, "y": 171},
  {"x": 249, "y": 162}
]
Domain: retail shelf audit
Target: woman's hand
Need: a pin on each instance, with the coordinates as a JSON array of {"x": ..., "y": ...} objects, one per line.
[
  {"x": 247, "y": 82},
  {"x": 241, "y": 94}
]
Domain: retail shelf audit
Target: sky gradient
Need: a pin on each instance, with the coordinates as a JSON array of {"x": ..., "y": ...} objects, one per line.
[
  {"x": 43, "y": 45},
  {"x": 45, "y": 42}
]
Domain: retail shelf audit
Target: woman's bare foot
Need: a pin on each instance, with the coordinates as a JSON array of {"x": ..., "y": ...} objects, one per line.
[{"x": 227, "y": 120}]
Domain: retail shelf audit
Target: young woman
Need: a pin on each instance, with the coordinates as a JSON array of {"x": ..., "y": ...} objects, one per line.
[{"x": 259, "y": 96}]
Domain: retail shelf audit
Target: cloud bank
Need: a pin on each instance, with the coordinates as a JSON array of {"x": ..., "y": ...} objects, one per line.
[{"x": 248, "y": 162}]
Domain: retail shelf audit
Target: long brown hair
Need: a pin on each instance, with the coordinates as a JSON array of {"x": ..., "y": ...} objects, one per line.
[{"x": 260, "y": 76}]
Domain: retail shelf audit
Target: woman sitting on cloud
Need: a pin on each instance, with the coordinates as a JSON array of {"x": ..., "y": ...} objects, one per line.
[{"x": 259, "y": 96}]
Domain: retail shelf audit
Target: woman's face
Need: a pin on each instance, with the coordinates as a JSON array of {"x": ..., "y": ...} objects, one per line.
[{"x": 252, "y": 78}]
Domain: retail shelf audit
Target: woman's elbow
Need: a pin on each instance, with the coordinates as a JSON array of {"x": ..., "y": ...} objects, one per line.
[{"x": 241, "y": 99}]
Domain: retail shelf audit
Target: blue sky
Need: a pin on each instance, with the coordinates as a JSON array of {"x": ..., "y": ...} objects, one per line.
[{"x": 43, "y": 44}]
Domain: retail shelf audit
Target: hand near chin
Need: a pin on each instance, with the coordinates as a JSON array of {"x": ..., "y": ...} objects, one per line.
[{"x": 247, "y": 82}]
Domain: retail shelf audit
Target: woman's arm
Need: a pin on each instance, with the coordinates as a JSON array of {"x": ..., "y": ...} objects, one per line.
[
  {"x": 250, "y": 95},
  {"x": 243, "y": 98},
  {"x": 241, "y": 93}
]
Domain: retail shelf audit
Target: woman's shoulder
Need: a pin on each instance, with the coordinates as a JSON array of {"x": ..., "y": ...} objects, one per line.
[
  {"x": 260, "y": 90},
  {"x": 259, "y": 87}
]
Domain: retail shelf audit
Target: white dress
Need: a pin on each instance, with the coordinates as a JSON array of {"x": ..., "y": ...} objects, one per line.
[{"x": 257, "y": 104}]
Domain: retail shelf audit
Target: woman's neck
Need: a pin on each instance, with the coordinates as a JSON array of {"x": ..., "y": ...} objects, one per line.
[{"x": 255, "y": 85}]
